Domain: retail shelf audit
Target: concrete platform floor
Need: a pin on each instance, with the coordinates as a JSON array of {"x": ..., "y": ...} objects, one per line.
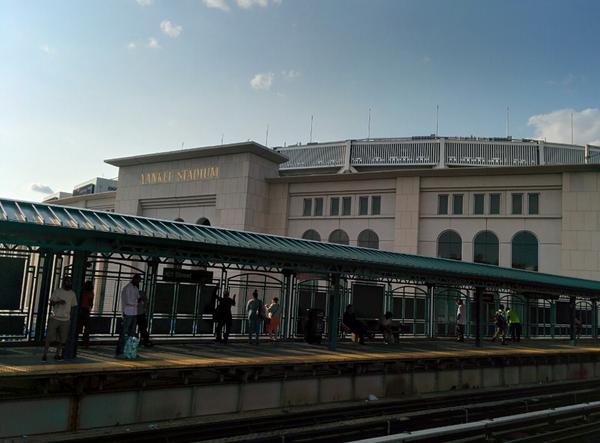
[{"x": 26, "y": 360}]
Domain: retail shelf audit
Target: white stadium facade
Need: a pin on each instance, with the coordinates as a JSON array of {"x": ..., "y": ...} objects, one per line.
[{"x": 528, "y": 204}]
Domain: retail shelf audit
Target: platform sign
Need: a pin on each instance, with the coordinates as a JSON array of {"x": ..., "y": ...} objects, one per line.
[
  {"x": 187, "y": 276},
  {"x": 12, "y": 272},
  {"x": 487, "y": 297}
]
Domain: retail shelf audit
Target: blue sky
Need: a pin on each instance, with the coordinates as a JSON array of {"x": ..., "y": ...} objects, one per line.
[{"x": 82, "y": 81}]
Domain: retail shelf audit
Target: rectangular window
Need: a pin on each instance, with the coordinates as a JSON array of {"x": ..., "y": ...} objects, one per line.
[
  {"x": 494, "y": 204},
  {"x": 346, "y": 205},
  {"x": 478, "y": 204},
  {"x": 363, "y": 206},
  {"x": 517, "y": 203},
  {"x": 335, "y": 206},
  {"x": 318, "y": 207},
  {"x": 534, "y": 203},
  {"x": 307, "y": 210},
  {"x": 442, "y": 204},
  {"x": 457, "y": 204},
  {"x": 376, "y": 205}
]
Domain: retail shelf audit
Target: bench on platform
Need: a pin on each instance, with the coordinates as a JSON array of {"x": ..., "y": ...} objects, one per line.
[{"x": 373, "y": 329}]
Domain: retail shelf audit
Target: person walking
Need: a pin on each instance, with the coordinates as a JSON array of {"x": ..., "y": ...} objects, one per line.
[
  {"x": 256, "y": 314},
  {"x": 83, "y": 320},
  {"x": 514, "y": 324},
  {"x": 61, "y": 302},
  {"x": 142, "y": 320},
  {"x": 223, "y": 317},
  {"x": 274, "y": 315},
  {"x": 461, "y": 321},
  {"x": 500, "y": 321},
  {"x": 130, "y": 296}
]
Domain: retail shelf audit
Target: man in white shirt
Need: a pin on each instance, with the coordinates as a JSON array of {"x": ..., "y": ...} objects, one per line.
[
  {"x": 461, "y": 321},
  {"x": 130, "y": 297},
  {"x": 61, "y": 302}
]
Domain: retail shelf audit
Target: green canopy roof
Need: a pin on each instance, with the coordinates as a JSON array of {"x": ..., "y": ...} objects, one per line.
[{"x": 69, "y": 228}]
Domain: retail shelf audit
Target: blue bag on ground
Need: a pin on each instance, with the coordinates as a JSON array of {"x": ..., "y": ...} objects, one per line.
[{"x": 131, "y": 348}]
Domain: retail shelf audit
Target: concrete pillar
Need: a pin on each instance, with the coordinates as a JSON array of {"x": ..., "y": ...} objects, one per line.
[
  {"x": 334, "y": 311},
  {"x": 541, "y": 153},
  {"x": 78, "y": 277},
  {"x": 553, "y": 319},
  {"x": 586, "y": 154},
  {"x": 43, "y": 294},
  {"x": 442, "y": 161}
]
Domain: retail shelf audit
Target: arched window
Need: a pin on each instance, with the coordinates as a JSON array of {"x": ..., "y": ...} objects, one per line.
[
  {"x": 368, "y": 239},
  {"x": 203, "y": 221},
  {"x": 311, "y": 234},
  {"x": 449, "y": 245},
  {"x": 525, "y": 251},
  {"x": 339, "y": 236},
  {"x": 486, "y": 248}
]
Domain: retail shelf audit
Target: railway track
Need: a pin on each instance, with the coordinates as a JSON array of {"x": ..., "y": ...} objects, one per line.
[{"x": 367, "y": 420}]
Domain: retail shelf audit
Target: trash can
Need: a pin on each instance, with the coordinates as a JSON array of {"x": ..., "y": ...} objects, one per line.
[{"x": 314, "y": 326}]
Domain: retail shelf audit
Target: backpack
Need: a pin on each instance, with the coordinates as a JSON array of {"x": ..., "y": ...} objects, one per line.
[
  {"x": 131, "y": 347},
  {"x": 500, "y": 320}
]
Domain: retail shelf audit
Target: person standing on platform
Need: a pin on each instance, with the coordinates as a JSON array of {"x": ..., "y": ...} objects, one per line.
[
  {"x": 130, "y": 296},
  {"x": 514, "y": 324},
  {"x": 500, "y": 321},
  {"x": 355, "y": 326},
  {"x": 274, "y": 315},
  {"x": 461, "y": 320},
  {"x": 87, "y": 303},
  {"x": 61, "y": 302},
  {"x": 142, "y": 320},
  {"x": 223, "y": 317},
  {"x": 256, "y": 314}
]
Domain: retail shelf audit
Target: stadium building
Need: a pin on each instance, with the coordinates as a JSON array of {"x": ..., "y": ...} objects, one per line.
[{"x": 526, "y": 204}]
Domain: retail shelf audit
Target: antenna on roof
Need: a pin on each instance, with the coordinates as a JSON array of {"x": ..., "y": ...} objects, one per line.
[
  {"x": 222, "y": 135},
  {"x": 369, "y": 130},
  {"x": 571, "y": 128},
  {"x": 182, "y": 145},
  {"x": 437, "y": 119},
  {"x": 267, "y": 136},
  {"x": 507, "y": 122},
  {"x": 311, "y": 126}
]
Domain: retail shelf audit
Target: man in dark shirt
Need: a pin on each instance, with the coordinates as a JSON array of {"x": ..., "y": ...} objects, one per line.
[
  {"x": 356, "y": 326},
  {"x": 223, "y": 316}
]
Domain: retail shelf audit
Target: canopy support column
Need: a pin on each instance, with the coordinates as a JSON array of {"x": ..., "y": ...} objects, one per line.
[
  {"x": 478, "y": 292},
  {"x": 78, "y": 279},
  {"x": 594, "y": 319},
  {"x": 43, "y": 295},
  {"x": 334, "y": 311},
  {"x": 288, "y": 279},
  {"x": 430, "y": 312},
  {"x": 572, "y": 308}
]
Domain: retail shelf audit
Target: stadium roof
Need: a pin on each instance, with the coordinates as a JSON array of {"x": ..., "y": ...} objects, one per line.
[{"x": 62, "y": 228}]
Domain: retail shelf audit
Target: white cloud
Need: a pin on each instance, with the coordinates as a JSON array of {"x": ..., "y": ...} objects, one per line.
[
  {"x": 426, "y": 60},
  {"x": 131, "y": 45},
  {"x": 153, "y": 43},
  {"x": 144, "y": 2},
  {"x": 42, "y": 189},
  {"x": 216, "y": 4},
  {"x": 47, "y": 49},
  {"x": 291, "y": 74},
  {"x": 247, "y": 4},
  {"x": 170, "y": 29},
  {"x": 262, "y": 81},
  {"x": 568, "y": 80},
  {"x": 556, "y": 126}
]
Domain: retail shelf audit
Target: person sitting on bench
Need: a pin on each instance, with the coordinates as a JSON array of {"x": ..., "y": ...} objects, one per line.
[
  {"x": 354, "y": 325},
  {"x": 389, "y": 329}
]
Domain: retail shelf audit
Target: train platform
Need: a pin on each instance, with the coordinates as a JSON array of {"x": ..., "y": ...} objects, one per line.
[
  {"x": 174, "y": 381},
  {"x": 26, "y": 360}
]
